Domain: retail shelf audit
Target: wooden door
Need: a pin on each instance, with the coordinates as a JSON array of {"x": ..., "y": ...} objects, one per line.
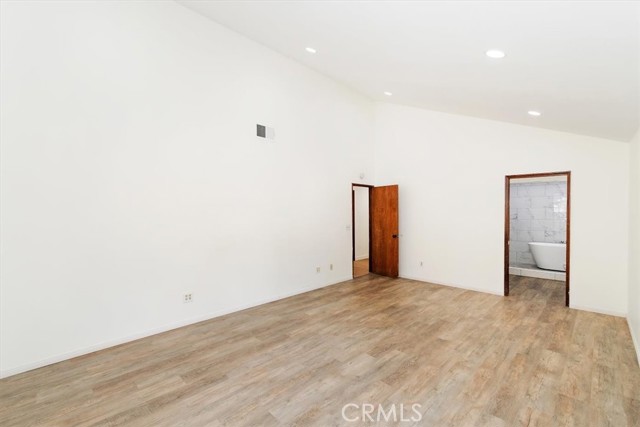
[{"x": 383, "y": 220}]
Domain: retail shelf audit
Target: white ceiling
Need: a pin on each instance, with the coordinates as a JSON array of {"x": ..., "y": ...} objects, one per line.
[{"x": 576, "y": 62}]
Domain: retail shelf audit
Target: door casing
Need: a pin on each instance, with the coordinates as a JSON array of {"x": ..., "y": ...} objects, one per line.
[{"x": 353, "y": 224}]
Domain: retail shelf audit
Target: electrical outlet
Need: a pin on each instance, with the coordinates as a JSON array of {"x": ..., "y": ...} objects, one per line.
[
  {"x": 331, "y": 267},
  {"x": 421, "y": 263},
  {"x": 317, "y": 269},
  {"x": 187, "y": 298}
]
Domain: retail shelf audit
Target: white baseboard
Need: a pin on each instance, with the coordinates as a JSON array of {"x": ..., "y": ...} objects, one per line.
[
  {"x": 598, "y": 310},
  {"x": 111, "y": 343},
  {"x": 361, "y": 257},
  {"x": 451, "y": 285},
  {"x": 584, "y": 308},
  {"x": 636, "y": 340}
]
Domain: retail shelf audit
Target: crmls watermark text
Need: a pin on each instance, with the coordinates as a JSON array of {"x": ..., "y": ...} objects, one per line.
[{"x": 364, "y": 412}]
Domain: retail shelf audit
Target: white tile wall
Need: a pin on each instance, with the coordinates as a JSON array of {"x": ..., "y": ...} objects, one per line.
[{"x": 538, "y": 214}]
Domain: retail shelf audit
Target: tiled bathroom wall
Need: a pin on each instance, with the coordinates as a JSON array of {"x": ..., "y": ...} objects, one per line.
[{"x": 538, "y": 214}]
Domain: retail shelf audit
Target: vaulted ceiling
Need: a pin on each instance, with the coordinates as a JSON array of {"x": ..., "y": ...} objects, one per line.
[{"x": 577, "y": 63}]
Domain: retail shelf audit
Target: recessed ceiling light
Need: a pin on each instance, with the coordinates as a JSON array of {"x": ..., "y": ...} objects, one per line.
[
  {"x": 310, "y": 49},
  {"x": 534, "y": 113},
  {"x": 495, "y": 53},
  {"x": 388, "y": 93}
]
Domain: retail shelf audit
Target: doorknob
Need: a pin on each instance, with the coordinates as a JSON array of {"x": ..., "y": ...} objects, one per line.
[{"x": 395, "y": 236}]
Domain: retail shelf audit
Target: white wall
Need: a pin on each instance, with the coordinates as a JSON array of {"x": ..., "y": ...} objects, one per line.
[
  {"x": 634, "y": 240},
  {"x": 538, "y": 213},
  {"x": 634, "y": 244},
  {"x": 451, "y": 173},
  {"x": 362, "y": 222},
  {"x": 131, "y": 174}
]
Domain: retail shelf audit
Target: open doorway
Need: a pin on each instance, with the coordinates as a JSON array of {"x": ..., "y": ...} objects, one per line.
[
  {"x": 361, "y": 230},
  {"x": 537, "y": 232},
  {"x": 374, "y": 219}
]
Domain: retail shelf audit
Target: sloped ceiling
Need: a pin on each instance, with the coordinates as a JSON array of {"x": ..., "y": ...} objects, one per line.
[{"x": 575, "y": 62}]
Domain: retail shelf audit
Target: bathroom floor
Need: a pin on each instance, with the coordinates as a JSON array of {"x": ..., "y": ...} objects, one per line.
[{"x": 550, "y": 291}]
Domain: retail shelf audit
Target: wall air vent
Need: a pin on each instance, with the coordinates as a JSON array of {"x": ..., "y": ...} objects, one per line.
[{"x": 265, "y": 132}]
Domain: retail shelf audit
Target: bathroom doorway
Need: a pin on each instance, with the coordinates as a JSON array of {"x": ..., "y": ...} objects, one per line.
[
  {"x": 360, "y": 230},
  {"x": 537, "y": 232}
]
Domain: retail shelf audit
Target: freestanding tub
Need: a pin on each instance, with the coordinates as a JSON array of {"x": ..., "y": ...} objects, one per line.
[{"x": 550, "y": 256}]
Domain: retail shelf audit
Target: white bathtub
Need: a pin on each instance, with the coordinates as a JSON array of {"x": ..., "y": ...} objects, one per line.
[{"x": 550, "y": 256}]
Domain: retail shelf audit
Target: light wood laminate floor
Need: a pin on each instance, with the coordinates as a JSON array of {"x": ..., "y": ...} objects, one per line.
[{"x": 468, "y": 358}]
